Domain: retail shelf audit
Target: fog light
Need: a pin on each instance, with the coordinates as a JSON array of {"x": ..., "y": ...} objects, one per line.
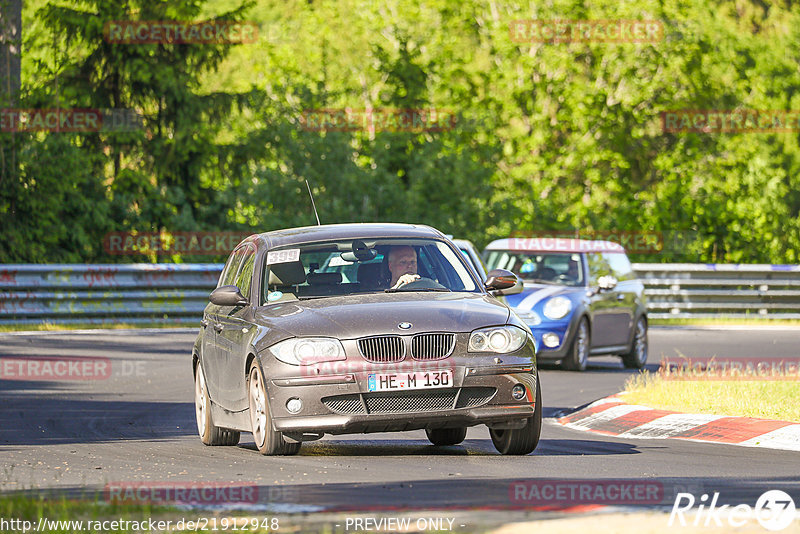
[
  {"x": 518, "y": 392},
  {"x": 550, "y": 340},
  {"x": 294, "y": 405}
]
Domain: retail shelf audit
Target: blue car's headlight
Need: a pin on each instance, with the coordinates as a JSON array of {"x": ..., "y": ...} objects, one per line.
[
  {"x": 497, "y": 339},
  {"x": 557, "y": 308}
]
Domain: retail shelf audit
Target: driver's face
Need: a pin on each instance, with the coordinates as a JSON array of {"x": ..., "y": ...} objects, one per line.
[{"x": 402, "y": 260}]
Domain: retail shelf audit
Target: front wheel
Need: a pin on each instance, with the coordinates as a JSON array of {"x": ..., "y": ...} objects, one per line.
[
  {"x": 519, "y": 441},
  {"x": 210, "y": 434},
  {"x": 268, "y": 441},
  {"x": 446, "y": 436},
  {"x": 578, "y": 354},
  {"x": 637, "y": 357}
]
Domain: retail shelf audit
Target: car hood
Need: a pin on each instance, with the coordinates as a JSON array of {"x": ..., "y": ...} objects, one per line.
[
  {"x": 533, "y": 294},
  {"x": 355, "y": 316}
]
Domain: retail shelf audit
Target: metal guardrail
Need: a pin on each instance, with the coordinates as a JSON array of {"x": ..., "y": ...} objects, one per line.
[
  {"x": 147, "y": 293},
  {"x": 130, "y": 293},
  {"x": 689, "y": 290}
]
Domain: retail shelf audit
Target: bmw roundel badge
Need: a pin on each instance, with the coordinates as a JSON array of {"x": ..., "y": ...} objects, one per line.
[{"x": 405, "y": 326}]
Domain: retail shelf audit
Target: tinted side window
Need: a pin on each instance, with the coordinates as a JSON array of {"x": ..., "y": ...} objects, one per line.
[
  {"x": 620, "y": 266},
  {"x": 598, "y": 266},
  {"x": 229, "y": 273},
  {"x": 245, "y": 277}
]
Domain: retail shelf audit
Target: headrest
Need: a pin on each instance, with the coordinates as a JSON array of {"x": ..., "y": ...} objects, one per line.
[
  {"x": 324, "y": 279},
  {"x": 287, "y": 274}
]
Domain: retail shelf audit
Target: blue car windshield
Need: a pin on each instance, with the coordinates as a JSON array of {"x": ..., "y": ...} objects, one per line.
[{"x": 563, "y": 268}]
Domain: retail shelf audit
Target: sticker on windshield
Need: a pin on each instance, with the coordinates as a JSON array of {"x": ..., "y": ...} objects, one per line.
[
  {"x": 275, "y": 295},
  {"x": 283, "y": 256}
]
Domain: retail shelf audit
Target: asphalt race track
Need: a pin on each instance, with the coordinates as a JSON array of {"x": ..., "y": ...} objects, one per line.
[{"x": 138, "y": 425}]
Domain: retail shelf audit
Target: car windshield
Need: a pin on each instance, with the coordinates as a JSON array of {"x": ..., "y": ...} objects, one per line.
[
  {"x": 336, "y": 268},
  {"x": 563, "y": 268}
]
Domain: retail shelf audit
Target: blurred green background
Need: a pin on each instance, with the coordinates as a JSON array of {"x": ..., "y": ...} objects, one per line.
[{"x": 550, "y": 136}]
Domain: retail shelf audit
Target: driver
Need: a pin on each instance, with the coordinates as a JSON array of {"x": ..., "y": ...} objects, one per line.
[{"x": 402, "y": 263}]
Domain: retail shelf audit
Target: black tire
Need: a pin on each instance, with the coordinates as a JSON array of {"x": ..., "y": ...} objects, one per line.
[
  {"x": 268, "y": 441},
  {"x": 637, "y": 357},
  {"x": 578, "y": 353},
  {"x": 210, "y": 434},
  {"x": 446, "y": 436},
  {"x": 520, "y": 441}
]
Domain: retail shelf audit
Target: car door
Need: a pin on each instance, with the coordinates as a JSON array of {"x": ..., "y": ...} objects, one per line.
[
  {"x": 626, "y": 294},
  {"x": 212, "y": 358},
  {"x": 603, "y": 305},
  {"x": 233, "y": 337}
]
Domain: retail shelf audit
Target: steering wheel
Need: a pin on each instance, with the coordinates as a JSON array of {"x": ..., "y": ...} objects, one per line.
[{"x": 422, "y": 283}]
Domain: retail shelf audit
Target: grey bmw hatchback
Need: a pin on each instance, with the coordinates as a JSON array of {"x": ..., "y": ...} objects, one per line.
[{"x": 358, "y": 328}]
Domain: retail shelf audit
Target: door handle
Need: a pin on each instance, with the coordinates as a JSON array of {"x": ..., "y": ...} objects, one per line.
[
  {"x": 204, "y": 323},
  {"x": 218, "y": 327}
]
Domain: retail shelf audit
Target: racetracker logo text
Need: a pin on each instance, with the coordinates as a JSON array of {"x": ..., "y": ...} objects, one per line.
[
  {"x": 586, "y": 31},
  {"x": 51, "y": 369},
  {"x": 203, "y": 493},
  {"x": 70, "y": 120},
  {"x": 377, "y": 120},
  {"x": 730, "y": 121},
  {"x": 572, "y": 492},
  {"x": 197, "y": 243},
  {"x": 180, "y": 32}
]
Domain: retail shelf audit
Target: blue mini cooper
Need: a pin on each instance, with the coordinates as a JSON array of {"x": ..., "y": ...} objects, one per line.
[{"x": 581, "y": 298}]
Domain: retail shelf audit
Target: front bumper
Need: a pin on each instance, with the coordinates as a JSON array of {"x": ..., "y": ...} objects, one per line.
[
  {"x": 564, "y": 329},
  {"x": 341, "y": 403}
]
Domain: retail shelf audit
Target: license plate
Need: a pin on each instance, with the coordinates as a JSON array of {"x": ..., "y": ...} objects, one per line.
[{"x": 418, "y": 380}]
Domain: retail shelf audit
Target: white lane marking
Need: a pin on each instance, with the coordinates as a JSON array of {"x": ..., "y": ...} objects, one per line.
[
  {"x": 530, "y": 301},
  {"x": 787, "y": 438},
  {"x": 669, "y": 425},
  {"x": 606, "y": 415}
]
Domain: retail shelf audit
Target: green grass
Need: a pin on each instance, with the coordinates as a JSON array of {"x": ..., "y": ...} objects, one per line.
[{"x": 766, "y": 399}]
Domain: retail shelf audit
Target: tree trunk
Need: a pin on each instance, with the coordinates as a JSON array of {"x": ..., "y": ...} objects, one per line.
[{"x": 10, "y": 46}]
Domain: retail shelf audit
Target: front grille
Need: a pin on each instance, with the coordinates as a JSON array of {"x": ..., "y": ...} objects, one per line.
[
  {"x": 344, "y": 404},
  {"x": 432, "y": 346},
  {"x": 477, "y": 396},
  {"x": 382, "y": 349},
  {"x": 411, "y": 401}
]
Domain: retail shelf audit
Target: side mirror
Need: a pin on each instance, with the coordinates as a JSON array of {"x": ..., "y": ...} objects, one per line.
[
  {"x": 227, "y": 296},
  {"x": 607, "y": 282},
  {"x": 500, "y": 279}
]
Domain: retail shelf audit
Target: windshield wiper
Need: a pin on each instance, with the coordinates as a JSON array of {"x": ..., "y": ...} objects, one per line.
[{"x": 400, "y": 289}]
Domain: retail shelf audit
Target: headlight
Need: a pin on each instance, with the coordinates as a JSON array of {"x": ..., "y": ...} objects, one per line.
[
  {"x": 557, "y": 307},
  {"x": 530, "y": 317},
  {"x": 497, "y": 339},
  {"x": 308, "y": 350}
]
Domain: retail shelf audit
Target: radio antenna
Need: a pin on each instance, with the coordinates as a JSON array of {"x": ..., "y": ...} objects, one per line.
[{"x": 312, "y": 203}]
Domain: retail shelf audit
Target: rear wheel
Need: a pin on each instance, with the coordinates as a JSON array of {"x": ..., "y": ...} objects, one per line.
[
  {"x": 578, "y": 354},
  {"x": 210, "y": 434},
  {"x": 446, "y": 436},
  {"x": 637, "y": 357},
  {"x": 523, "y": 440},
  {"x": 268, "y": 441}
]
